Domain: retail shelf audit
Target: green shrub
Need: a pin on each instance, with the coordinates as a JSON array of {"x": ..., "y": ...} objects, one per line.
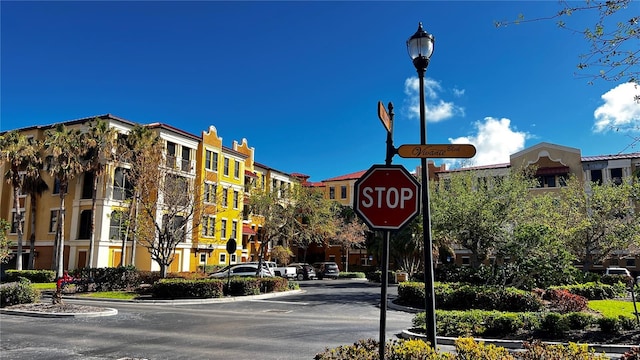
[
  {"x": 615, "y": 279},
  {"x": 274, "y": 284},
  {"x": 189, "y": 289},
  {"x": 580, "y": 320},
  {"x": 615, "y": 325},
  {"x": 242, "y": 286},
  {"x": 18, "y": 292},
  {"x": 595, "y": 290},
  {"x": 108, "y": 279},
  {"x": 554, "y": 324},
  {"x": 376, "y": 276},
  {"x": 35, "y": 276},
  {"x": 499, "y": 323},
  {"x": 351, "y": 275}
]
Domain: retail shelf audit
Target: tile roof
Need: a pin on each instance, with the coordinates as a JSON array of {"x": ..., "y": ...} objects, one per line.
[
  {"x": 611, "y": 157},
  {"x": 353, "y": 176}
]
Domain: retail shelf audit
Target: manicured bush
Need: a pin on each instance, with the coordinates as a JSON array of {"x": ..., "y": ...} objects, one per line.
[
  {"x": 456, "y": 296},
  {"x": 563, "y": 301},
  {"x": 274, "y": 284},
  {"x": 614, "y": 279},
  {"x": 503, "y": 323},
  {"x": 108, "y": 279},
  {"x": 554, "y": 324},
  {"x": 394, "y": 350},
  {"x": 467, "y": 348},
  {"x": 189, "y": 289},
  {"x": 351, "y": 275},
  {"x": 376, "y": 276},
  {"x": 18, "y": 292},
  {"x": 538, "y": 350},
  {"x": 580, "y": 320},
  {"x": 615, "y": 325},
  {"x": 35, "y": 276},
  {"x": 595, "y": 290},
  {"x": 242, "y": 286}
]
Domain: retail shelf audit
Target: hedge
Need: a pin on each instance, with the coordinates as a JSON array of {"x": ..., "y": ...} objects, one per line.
[
  {"x": 18, "y": 292},
  {"x": 187, "y": 289},
  {"x": 35, "y": 276}
]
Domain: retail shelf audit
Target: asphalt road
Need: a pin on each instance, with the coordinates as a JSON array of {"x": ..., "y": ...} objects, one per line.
[{"x": 328, "y": 313}]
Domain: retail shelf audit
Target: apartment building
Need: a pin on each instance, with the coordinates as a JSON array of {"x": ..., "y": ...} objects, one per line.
[{"x": 220, "y": 178}]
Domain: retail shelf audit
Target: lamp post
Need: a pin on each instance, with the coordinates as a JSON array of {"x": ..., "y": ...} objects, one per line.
[{"x": 420, "y": 48}]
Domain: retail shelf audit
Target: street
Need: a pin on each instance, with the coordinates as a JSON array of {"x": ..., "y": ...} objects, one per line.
[{"x": 328, "y": 313}]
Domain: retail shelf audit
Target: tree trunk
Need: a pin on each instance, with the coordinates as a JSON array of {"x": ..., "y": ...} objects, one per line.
[
  {"x": 346, "y": 262},
  {"x": 60, "y": 265},
  {"x": 92, "y": 237},
  {"x": 135, "y": 234},
  {"x": 16, "y": 199},
  {"x": 32, "y": 236}
]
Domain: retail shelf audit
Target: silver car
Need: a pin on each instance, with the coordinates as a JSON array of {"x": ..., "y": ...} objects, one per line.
[{"x": 242, "y": 270}]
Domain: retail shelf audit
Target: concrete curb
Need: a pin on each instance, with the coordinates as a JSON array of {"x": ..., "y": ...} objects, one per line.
[
  {"x": 105, "y": 312},
  {"x": 192, "y": 301}
]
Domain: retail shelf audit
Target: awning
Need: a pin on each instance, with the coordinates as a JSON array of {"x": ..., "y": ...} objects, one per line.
[
  {"x": 250, "y": 174},
  {"x": 247, "y": 230},
  {"x": 557, "y": 170}
]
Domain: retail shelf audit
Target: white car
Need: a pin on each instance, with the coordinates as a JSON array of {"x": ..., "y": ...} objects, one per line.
[
  {"x": 242, "y": 270},
  {"x": 617, "y": 271}
]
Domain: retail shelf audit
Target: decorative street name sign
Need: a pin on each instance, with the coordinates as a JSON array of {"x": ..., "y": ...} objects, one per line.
[
  {"x": 437, "y": 151},
  {"x": 384, "y": 116}
]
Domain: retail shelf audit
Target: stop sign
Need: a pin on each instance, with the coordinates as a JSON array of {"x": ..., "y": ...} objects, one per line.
[{"x": 387, "y": 197}]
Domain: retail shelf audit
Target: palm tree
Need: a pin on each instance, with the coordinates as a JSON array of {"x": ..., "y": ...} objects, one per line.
[
  {"x": 19, "y": 153},
  {"x": 66, "y": 148},
  {"x": 33, "y": 185},
  {"x": 101, "y": 140}
]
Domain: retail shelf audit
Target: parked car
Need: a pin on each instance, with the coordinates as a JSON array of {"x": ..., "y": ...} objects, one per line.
[
  {"x": 617, "y": 271},
  {"x": 326, "y": 269},
  {"x": 243, "y": 269},
  {"x": 304, "y": 271},
  {"x": 288, "y": 272}
]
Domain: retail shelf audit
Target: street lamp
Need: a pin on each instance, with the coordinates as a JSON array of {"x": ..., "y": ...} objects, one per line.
[{"x": 420, "y": 48}]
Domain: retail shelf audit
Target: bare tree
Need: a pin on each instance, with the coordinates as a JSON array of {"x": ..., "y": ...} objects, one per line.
[{"x": 167, "y": 203}]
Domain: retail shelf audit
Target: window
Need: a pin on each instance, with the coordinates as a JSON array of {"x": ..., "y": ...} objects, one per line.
[
  {"x": 466, "y": 261},
  {"x": 225, "y": 197},
  {"x": 630, "y": 262},
  {"x": 343, "y": 192},
  {"x": 616, "y": 176},
  {"x": 122, "y": 187},
  {"x": 56, "y": 186},
  {"x": 234, "y": 229},
  {"x": 53, "y": 220},
  {"x": 223, "y": 229},
  {"x": 223, "y": 258},
  {"x": 117, "y": 225},
  {"x": 332, "y": 192},
  {"x": 210, "y": 193},
  {"x": 174, "y": 226},
  {"x": 185, "y": 164},
  {"x": 87, "y": 185},
  {"x": 171, "y": 154},
  {"x": 203, "y": 258},
  {"x": 596, "y": 176},
  {"x": 236, "y": 169},
  {"x": 208, "y": 226},
  {"x": 85, "y": 225},
  {"x": 176, "y": 190},
  {"x": 211, "y": 160},
  {"x": 236, "y": 196},
  {"x": 226, "y": 166},
  {"x": 233, "y": 258}
]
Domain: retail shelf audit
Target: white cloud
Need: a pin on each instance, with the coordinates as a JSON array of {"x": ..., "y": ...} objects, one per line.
[
  {"x": 495, "y": 141},
  {"x": 620, "y": 111},
  {"x": 436, "y": 109},
  {"x": 458, "y": 92}
]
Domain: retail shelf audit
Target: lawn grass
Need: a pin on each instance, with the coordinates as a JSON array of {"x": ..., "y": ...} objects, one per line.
[
  {"x": 120, "y": 295},
  {"x": 613, "y": 308},
  {"x": 44, "y": 286}
]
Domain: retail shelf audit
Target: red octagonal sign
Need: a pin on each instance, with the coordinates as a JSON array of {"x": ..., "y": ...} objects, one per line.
[{"x": 387, "y": 197}]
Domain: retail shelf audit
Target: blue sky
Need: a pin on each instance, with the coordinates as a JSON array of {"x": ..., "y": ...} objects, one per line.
[{"x": 301, "y": 80}]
